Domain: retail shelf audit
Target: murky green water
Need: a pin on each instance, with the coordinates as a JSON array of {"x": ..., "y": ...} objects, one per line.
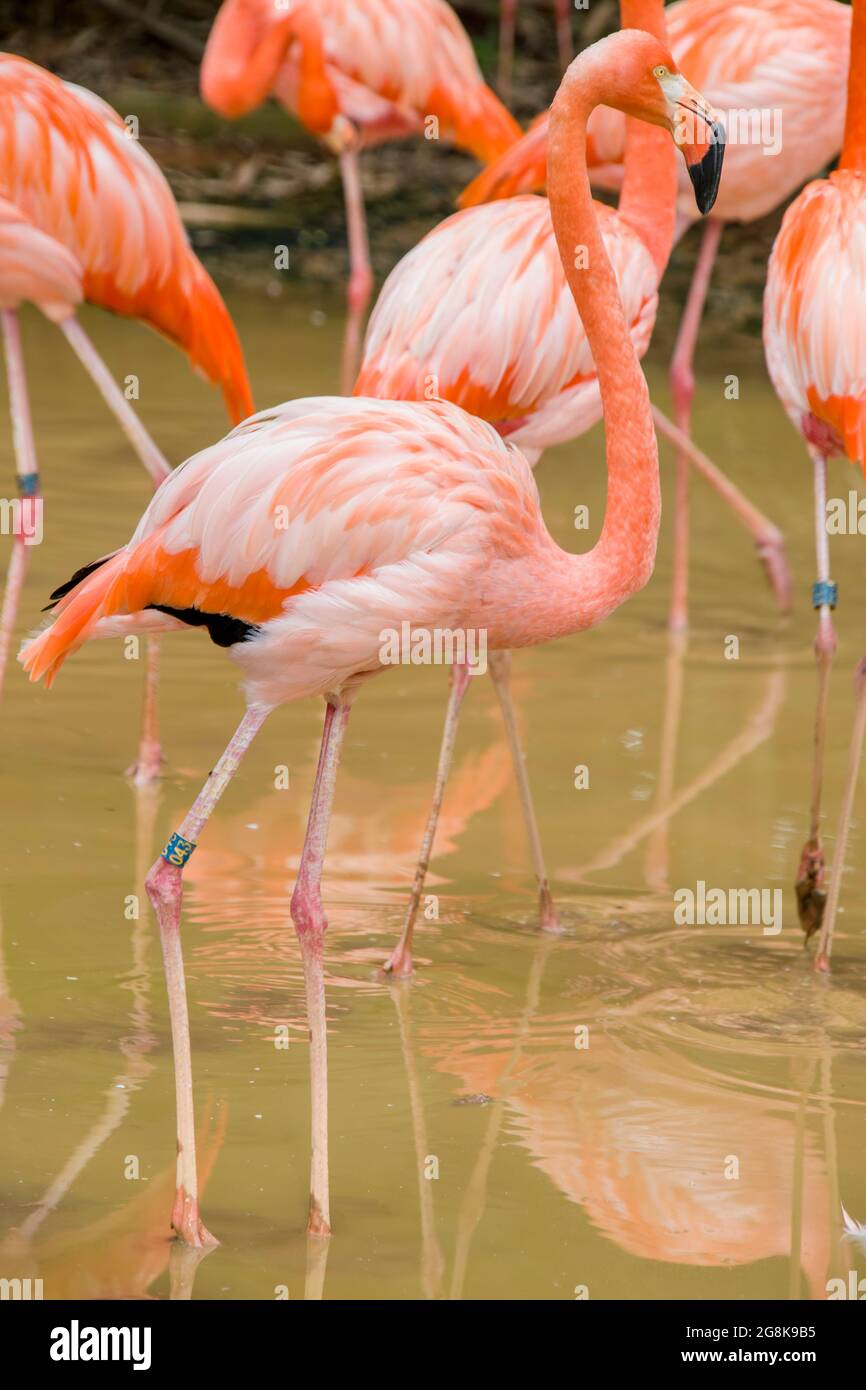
[{"x": 700, "y": 1146}]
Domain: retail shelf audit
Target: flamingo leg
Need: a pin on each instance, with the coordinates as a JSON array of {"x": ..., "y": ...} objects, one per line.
[
  {"x": 825, "y": 940},
  {"x": 432, "y": 1259},
  {"x": 683, "y": 390},
  {"x": 311, "y": 923},
  {"x": 164, "y": 884},
  {"x": 769, "y": 541},
  {"x": 114, "y": 398},
  {"x": 360, "y": 271},
  {"x": 657, "y": 862},
  {"x": 149, "y": 759},
  {"x": 27, "y": 475},
  {"x": 500, "y": 670},
  {"x": 400, "y": 960},
  {"x": 562, "y": 10},
  {"x": 811, "y": 894},
  {"x": 507, "y": 23}
]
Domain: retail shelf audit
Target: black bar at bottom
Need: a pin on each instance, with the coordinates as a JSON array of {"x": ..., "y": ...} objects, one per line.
[{"x": 66, "y": 1339}]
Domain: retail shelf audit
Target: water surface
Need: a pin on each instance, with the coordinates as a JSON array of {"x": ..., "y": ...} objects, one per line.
[{"x": 702, "y": 1143}]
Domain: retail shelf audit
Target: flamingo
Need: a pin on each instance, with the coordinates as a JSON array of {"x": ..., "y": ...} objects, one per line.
[
  {"x": 480, "y": 313},
  {"x": 782, "y": 57},
  {"x": 86, "y": 214},
  {"x": 313, "y": 530},
  {"x": 356, "y": 73},
  {"x": 814, "y": 309},
  {"x": 507, "y": 25}
]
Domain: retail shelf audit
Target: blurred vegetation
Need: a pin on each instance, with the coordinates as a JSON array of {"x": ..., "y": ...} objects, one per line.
[{"x": 247, "y": 185}]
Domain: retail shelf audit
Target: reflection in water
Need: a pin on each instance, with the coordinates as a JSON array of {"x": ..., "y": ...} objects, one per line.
[
  {"x": 476, "y": 1191},
  {"x": 10, "y": 1019},
  {"x": 248, "y": 863},
  {"x": 122, "y": 1254},
  {"x": 655, "y": 826},
  {"x": 432, "y": 1259},
  {"x": 134, "y": 1047},
  {"x": 670, "y": 1164}
]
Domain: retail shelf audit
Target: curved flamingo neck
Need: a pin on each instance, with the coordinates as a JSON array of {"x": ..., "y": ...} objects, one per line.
[
  {"x": 649, "y": 184},
  {"x": 317, "y": 104},
  {"x": 854, "y": 146},
  {"x": 622, "y": 560}
]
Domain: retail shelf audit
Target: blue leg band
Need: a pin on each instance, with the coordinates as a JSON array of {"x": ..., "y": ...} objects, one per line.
[
  {"x": 177, "y": 851},
  {"x": 28, "y": 484},
  {"x": 824, "y": 592}
]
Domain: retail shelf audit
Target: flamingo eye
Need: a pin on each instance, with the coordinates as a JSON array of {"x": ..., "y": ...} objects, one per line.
[{"x": 661, "y": 71}]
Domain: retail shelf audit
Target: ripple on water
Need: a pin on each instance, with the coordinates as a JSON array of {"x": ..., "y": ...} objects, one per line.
[{"x": 735, "y": 990}]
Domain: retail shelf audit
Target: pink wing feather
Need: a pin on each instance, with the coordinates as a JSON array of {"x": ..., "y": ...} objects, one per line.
[
  {"x": 480, "y": 313},
  {"x": 321, "y": 522},
  {"x": 815, "y": 311},
  {"x": 35, "y": 268}
]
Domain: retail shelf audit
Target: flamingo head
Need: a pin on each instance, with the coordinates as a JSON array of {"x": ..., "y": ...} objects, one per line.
[
  {"x": 698, "y": 132},
  {"x": 647, "y": 84},
  {"x": 244, "y": 52}
]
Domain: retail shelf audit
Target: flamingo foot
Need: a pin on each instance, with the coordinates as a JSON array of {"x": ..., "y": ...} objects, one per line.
[
  {"x": 317, "y": 1225},
  {"x": 773, "y": 556},
  {"x": 810, "y": 890},
  {"x": 189, "y": 1226},
  {"x": 399, "y": 963},
  {"x": 547, "y": 914},
  {"x": 147, "y": 767}
]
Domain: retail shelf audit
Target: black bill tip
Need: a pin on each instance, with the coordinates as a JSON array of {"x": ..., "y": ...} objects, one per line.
[{"x": 706, "y": 174}]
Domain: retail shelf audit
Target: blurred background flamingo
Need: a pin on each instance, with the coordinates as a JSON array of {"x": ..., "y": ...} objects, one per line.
[
  {"x": 814, "y": 315},
  {"x": 86, "y": 215},
  {"x": 356, "y": 73}
]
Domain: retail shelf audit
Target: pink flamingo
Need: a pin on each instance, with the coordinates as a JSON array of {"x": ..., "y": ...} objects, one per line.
[
  {"x": 507, "y": 26},
  {"x": 781, "y": 60},
  {"x": 356, "y": 73},
  {"x": 814, "y": 310},
  {"x": 316, "y": 528},
  {"x": 85, "y": 214},
  {"x": 480, "y": 313}
]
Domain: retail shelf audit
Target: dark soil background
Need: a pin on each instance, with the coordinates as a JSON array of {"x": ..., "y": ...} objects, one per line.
[{"x": 249, "y": 185}]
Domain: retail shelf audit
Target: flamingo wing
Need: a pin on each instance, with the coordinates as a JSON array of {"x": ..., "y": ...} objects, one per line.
[
  {"x": 417, "y": 54},
  {"x": 35, "y": 267},
  {"x": 480, "y": 313},
  {"x": 313, "y": 524},
  {"x": 815, "y": 310},
  {"x": 68, "y": 164}
]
